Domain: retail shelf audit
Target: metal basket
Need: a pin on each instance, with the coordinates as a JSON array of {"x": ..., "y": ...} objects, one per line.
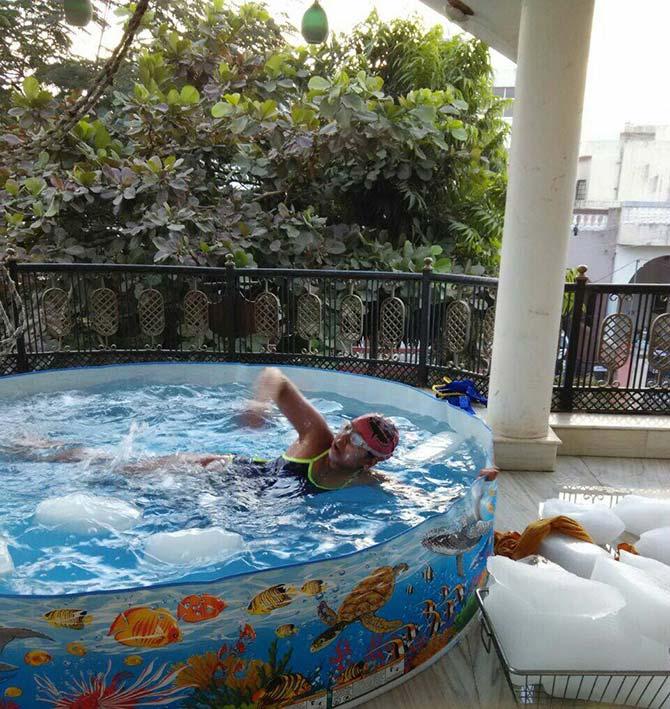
[{"x": 576, "y": 687}]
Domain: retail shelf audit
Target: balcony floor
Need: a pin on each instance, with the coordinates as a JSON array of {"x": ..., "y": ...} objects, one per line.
[{"x": 467, "y": 677}]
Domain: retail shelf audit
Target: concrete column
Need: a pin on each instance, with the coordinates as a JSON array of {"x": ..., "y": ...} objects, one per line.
[{"x": 552, "y": 60}]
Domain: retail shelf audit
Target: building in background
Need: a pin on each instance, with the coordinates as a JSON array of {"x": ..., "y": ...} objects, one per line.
[{"x": 621, "y": 227}]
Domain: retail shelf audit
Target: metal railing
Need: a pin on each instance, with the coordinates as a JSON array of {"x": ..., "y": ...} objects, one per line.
[{"x": 613, "y": 350}]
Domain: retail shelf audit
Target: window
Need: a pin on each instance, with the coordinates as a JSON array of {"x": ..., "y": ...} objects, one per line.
[{"x": 580, "y": 191}]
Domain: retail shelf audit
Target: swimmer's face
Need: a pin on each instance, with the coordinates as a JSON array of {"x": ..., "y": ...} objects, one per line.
[{"x": 345, "y": 454}]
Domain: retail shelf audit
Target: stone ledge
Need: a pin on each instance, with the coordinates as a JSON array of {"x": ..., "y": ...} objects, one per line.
[{"x": 538, "y": 454}]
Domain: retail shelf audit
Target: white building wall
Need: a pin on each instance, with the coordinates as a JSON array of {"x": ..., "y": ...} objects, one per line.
[{"x": 599, "y": 165}]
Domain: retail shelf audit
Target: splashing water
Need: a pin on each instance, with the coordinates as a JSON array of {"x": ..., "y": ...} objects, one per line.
[{"x": 120, "y": 425}]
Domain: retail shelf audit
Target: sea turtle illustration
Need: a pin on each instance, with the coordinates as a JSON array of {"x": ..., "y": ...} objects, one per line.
[{"x": 361, "y": 604}]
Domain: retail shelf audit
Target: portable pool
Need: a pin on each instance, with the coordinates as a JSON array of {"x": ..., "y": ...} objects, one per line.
[{"x": 331, "y": 620}]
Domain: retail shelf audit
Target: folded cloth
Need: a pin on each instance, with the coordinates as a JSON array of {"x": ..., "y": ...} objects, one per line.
[
  {"x": 517, "y": 546},
  {"x": 460, "y": 393}
]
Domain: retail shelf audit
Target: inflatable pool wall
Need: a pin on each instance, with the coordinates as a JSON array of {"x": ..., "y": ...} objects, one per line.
[{"x": 317, "y": 634}]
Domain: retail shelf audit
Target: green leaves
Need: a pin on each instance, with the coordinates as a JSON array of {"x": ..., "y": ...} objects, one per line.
[
  {"x": 189, "y": 95},
  {"x": 234, "y": 141},
  {"x": 318, "y": 84}
]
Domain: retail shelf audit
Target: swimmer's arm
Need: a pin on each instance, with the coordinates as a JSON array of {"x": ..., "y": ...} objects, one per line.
[
  {"x": 273, "y": 385},
  {"x": 369, "y": 477}
]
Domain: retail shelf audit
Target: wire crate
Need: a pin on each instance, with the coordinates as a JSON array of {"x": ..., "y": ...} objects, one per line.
[{"x": 555, "y": 688}]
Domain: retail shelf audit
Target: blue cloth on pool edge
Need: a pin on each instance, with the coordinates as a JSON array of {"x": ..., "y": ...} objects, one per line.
[{"x": 460, "y": 393}]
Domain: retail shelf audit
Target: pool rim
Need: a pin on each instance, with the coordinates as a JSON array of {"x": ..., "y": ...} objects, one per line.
[{"x": 176, "y": 584}]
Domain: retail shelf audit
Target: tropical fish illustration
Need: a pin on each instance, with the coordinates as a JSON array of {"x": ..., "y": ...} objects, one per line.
[
  {"x": 99, "y": 691},
  {"x": 286, "y": 630},
  {"x": 460, "y": 592},
  {"x": 133, "y": 660},
  {"x": 76, "y": 649},
  {"x": 361, "y": 604},
  {"x": 313, "y": 588},
  {"x": 272, "y": 598},
  {"x": 145, "y": 627},
  {"x": 410, "y": 589},
  {"x": 37, "y": 658},
  {"x": 428, "y": 574},
  {"x": 353, "y": 673},
  {"x": 282, "y": 689},
  {"x": 449, "y": 613},
  {"x": 445, "y": 591},
  {"x": 434, "y": 623},
  {"x": 410, "y": 634},
  {"x": 195, "y": 609},
  {"x": 240, "y": 647},
  {"x": 9, "y": 634},
  {"x": 429, "y": 607},
  {"x": 13, "y": 692},
  {"x": 393, "y": 649},
  {"x": 247, "y": 632},
  {"x": 71, "y": 618}
]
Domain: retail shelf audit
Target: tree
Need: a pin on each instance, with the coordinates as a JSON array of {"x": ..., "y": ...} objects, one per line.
[{"x": 232, "y": 140}]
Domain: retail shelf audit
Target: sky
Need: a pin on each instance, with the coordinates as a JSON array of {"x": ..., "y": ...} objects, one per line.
[{"x": 625, "y": 80}]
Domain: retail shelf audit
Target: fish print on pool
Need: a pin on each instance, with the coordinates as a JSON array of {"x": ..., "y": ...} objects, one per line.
[{"x": 311, "y": 635}]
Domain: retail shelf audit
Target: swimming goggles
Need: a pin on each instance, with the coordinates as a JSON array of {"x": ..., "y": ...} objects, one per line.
[{"x": 359, "y": 442}]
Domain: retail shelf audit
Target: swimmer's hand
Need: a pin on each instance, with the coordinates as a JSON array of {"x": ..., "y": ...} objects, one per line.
[{"x": 255, "y": 415}]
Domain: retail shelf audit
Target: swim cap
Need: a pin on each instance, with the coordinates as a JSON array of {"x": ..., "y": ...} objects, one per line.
[{"x": 379, "y": 433}]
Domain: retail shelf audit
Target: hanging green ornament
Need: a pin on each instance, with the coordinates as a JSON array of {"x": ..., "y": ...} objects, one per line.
[
  {"x": 78, "y": 12},
  {"x": 315, "y": 24}
]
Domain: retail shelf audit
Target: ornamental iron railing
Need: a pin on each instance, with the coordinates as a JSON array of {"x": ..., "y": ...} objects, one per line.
[{"x": 613, "y": 347}]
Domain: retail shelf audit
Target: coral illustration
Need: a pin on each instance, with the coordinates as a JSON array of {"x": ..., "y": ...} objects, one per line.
[{"x": 98, "y": 691}]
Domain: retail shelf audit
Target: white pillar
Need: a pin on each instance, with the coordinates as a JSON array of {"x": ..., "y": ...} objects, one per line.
[{"x": 552, "y": 60}]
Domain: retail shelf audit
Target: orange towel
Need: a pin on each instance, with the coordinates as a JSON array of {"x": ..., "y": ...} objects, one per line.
[
  {"x": 517, "y": 546},
  {"x": 624, "y": 546}
]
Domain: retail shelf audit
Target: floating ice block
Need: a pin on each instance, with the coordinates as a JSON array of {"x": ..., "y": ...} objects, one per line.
[
  {"x": 571, "y": 554},
  {"x": 437, "y": 446},
  {"x": 655, "y": 544},
  {"x": 647, "y": 609},
  {"x": 193, "y": 547},
  {"x": 640, "y": 514},
  {"x": 6, "y": 561},
  {"x": 602, "y": 524},
  {"x": 80, "y": 513}
]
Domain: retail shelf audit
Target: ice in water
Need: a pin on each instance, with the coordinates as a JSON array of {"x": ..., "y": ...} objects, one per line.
[
  {"x": 602, "y": 524},
  {"x": 80, "y": 513},
  {"x": 193, "y": 547},
  {"x": 6, "y": 561}
]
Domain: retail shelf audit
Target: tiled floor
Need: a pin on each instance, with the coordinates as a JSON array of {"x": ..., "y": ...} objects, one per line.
[{"x": 468, "y": 677}]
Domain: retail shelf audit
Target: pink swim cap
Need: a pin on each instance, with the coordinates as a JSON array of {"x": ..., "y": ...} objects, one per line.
[{"x": 379, "y": 433}]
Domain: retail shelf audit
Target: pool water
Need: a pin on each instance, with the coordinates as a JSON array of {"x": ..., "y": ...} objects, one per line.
[{"x": 279, "y": 527}]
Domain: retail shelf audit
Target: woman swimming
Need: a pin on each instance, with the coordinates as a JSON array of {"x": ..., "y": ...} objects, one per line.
[{"x": 319, "y": 459}]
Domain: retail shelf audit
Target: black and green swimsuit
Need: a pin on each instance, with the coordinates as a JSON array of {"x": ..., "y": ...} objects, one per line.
[{"x": 301, "y": 469}]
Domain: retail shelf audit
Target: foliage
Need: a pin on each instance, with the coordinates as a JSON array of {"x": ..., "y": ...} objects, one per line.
[{"x": 232, "y": 140}]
